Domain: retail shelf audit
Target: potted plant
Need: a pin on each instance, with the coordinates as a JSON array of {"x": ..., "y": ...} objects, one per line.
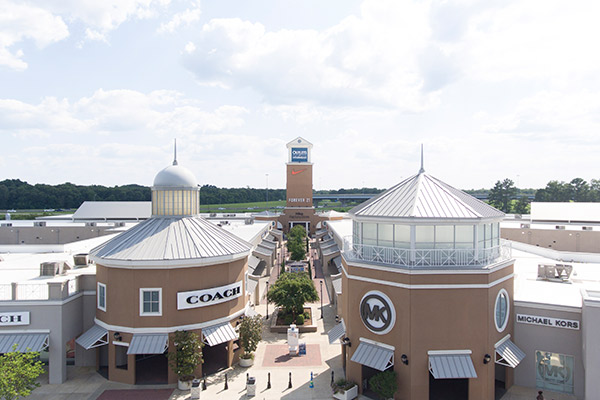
[
  {"x": 384, "y": 384},
  {"x": 186, "y": 357},
  {"x": 345, "y": 390},
  {"x": 250, "y": 332}
]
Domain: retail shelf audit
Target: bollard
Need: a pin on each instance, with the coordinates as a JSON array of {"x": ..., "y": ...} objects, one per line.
[
  {"x": 269, "y": 381},
  {"x": 290, "y": 382},
  {"x": 247, "y": 377},
  {"x": 204, "y": 383},
  {"x": 312, "y": 383},
  {"x": 226, "y": 386},
  {"x": 332, "y": 378}
]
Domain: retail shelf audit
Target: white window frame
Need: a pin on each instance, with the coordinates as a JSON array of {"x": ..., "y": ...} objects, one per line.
[
  {"x": 98, "y": 286},
  {"x": 503, "y": 327},
  {"x": 142, "y": 291}
]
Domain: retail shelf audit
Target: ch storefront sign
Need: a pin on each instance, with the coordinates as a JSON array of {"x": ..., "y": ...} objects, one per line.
[
  {"x": 377, "y": 312},
  {"x": 14, "y": 318},
  {"x": 208, "y": 297},
  {"x": 548, "y": 321}
]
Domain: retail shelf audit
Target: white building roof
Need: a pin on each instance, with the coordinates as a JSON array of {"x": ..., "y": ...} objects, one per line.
[
  {"x": 423, "y": 196},
  {"x": 102, "y": 210},
  {"x": 172, "y": 239},
  {"x": 565, "y": 212}
]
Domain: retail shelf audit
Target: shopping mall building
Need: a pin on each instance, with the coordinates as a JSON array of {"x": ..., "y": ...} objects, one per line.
[{"x": 431, "y": 292}]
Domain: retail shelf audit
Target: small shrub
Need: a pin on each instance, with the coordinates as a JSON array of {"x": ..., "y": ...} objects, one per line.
[
  {"x": 300, "y": 319},
  {"x": 341, "y": 385},
  {"x": 306, "y": 315},
  {"x": 384, "y": 384},
  {"x": 288, "y": 319}
]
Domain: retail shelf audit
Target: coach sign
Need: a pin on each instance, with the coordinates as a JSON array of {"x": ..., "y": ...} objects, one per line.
[
  {"x": 377, "y": 312},
  {"x": 14, "y": 318},
  {"x": 208, "y": 297}
]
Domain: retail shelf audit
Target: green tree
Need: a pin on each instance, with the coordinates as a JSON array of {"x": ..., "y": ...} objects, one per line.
[
  {"x": 295, "y": 243},
  {"x": 187, "y": 355},
  {"x": 384, "y": 384},
  {"x": 580, "y": 190},
  {"x": 522, "y": 206},
  {"x": 18, "y": 373},
  {"x": 554, "y": 191},
  {"x": 250, "y": 332},
  {"x": 501, "y": 195},
  {"x": 291, "y": 291}
]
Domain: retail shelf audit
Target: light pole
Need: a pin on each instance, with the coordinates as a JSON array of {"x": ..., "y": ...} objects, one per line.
[
  {"x": 321, "y": 299},
  {"x": 267, "y": 175},
  {"x": 267, "y": 299}
]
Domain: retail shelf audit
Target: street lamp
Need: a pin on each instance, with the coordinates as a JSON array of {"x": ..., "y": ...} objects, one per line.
[
  {"x": 267, "y": 299},
  {"x": 267, "y": 192},
  {"x": 321, "y": 299}
]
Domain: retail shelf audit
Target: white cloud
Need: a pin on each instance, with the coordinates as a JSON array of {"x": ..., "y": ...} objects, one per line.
[
  {"x": 372, "y": 59},
  {"x": 190, "y": 47},
  {"x": 184, "y": 18},
  {"x": 19, "y": 22}
]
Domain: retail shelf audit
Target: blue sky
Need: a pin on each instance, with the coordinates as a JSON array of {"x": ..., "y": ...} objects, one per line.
[{"x": 93, "y": 92}]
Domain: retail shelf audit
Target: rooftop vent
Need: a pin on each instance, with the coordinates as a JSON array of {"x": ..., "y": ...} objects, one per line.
[
  {"x": 249, "y": 221},
  {"x": 587, "y": 228},
  {"x": 555, "y": 273},
  {"x": 525, "y": 226},
  {"x": 80, "y": 260},
  {"x": 90, "y": 224},
  {"x": 53, "y": 268},
  {"x": 562, "y": 227},
  {"x": 7, "y": 224},
  {"x": 117, "y": 224},
  {"x": 213, "y": 215},
  {"x": 39, "y": 223}
]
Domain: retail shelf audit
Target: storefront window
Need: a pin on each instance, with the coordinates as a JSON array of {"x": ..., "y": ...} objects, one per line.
[
  {"x": 101, "y": 293},
  {"x": 501, "y": 310},
  {"x": 554, "y": 371},
  {"x": 369, "y": 234},
  {"x": 150, "y": 301}
]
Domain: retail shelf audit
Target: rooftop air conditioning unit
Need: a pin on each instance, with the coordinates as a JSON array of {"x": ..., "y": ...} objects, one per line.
[
  {"x": 562, "y": 227},
  {"x": 117, "y": 224},
  {"x": 523, "y": 226},
  {"x": 51, "y": 268},
  {"x": 80, "y": 259},
  {"x": 90, "y": 224},
  {"x": 213, "y": 215},
  {"x": 588, "y": 228},
  {"x": 39, "y": 223},
  {"x": 249, "y": 221},
  {"x": 7, "y": 224}
]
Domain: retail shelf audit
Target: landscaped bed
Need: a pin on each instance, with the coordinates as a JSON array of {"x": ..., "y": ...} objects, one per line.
[{"x": 280, "y": 324}]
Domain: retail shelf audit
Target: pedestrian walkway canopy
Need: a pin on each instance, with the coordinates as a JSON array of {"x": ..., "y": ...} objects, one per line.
[
  {"x": 372, "y": 354},
  {"x": 150, "y": 343},
  {"x": 338, "y": 263},
  {"x": 253, "y": 262},
  {"x": 25, "y": 342},
  {"x": 96, "y": 336},
  {"x": 337, "y": 332},
  {"x": 336, "y": 282},
  {"x": 251, "y": 285},
  {"x": 508, "y": 354},
  {"x": 451, "y": 364},
  {"x": 217, "y": 334}
]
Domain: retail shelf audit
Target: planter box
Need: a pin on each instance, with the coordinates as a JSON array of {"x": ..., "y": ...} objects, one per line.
[
  {"x": 184, "y": 385},
  {"x": 301, "y": 328},
  {"x": 349, "y": 394},
  {"x": 246, "y": 362}
]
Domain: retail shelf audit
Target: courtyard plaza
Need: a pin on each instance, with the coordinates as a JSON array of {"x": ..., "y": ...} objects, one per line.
[{"x": 270, "y": 358}]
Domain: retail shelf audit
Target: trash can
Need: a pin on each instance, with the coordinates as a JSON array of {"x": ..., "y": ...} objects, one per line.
[
  {"x": 251, "y": 387},
  {"x": 195, "y": 390}
]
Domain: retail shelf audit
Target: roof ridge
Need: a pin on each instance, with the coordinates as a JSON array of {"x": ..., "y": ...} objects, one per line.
[
  {"x": 446, "y": 188},
  {"x": 417, "y": 197}
]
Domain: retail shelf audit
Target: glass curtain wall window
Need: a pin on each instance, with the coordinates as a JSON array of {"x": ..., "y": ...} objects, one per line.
[{"x": 426, "y": 236}]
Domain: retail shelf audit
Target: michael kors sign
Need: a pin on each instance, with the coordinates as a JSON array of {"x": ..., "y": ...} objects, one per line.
[
  {"x": 208, "y": 297},
  {"x": 377, "y": 312}
]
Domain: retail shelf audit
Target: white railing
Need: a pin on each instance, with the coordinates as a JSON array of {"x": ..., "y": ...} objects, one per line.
[
  {"x": 35, "y": 291},
  {"x": 415, "y": 258},
  {"x": 73, "y": 286},
  {"x": 6, "y": 291}
]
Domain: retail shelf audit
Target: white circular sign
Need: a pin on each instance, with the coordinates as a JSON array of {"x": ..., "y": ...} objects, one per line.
[{"x": 377, "y": 312}]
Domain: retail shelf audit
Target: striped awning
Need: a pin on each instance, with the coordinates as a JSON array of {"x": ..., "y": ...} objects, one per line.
[
  {"x": 508, "y": 354},
  {"x": 251, "y": 286},
  {"x": 337, "y": 332},
  {"x": 337, "y": 285},
  {"x": 262, "y": 251},
  {"x": 268, "y": 244},
  {"x": 253, "y": 262},
  {"x": 217, "y": 334},
  {"x": 151, "y": 343},
  {"x": 25, "y": 342},
  {"x": 326, "y": 243},
  {"x": 96, "y": 336},
  {"x": 375, "y": 355},
  {"x": 451, "y": 364},
  {"x": 333, "y": 249},
  {"x": 338, "y": 263}
]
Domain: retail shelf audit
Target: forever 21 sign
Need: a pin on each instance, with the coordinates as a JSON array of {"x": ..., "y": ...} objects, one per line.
[{"x": 208, "y": 297}]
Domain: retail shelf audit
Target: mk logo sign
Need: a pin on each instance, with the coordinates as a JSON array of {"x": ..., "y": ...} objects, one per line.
[{"x": 377, "y": 312}]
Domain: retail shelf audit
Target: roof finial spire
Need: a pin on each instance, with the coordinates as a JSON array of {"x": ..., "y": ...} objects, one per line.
[
  {"x": 175, "y": 152},
  {"x": 422, "y": 168}
]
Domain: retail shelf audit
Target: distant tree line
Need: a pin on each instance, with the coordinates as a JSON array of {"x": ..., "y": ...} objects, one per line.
[{"x": 16, "y": 194}]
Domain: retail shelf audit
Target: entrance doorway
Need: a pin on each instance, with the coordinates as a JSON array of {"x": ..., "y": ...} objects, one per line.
[
  {"x": 367, "y": 373},
  {"x": 500, "y": 381},
  {"x": 151, "y": 369},
  {"x": 305, "y": 225},
  {"x": 103, "y": 360},
  {"x": 448, "y": 389},
  {"x": 215, "y": 358}
]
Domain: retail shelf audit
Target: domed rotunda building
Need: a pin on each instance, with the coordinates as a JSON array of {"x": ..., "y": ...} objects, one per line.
[
  {"x": 173, "y": 271},
  {"x": 427, "y": 290}
]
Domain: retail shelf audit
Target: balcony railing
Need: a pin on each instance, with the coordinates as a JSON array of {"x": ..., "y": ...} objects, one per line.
[{"x": 415, "y": 258}]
